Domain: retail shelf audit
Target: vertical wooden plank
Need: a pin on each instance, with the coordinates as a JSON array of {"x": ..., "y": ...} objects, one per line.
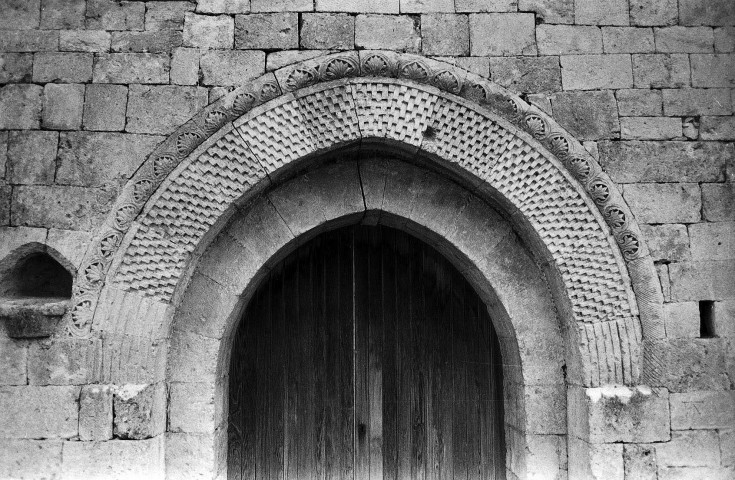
[
  {"x": 418, "y": 351},
  {"x": 318, "y": 363},
  {"x": 362, "y": 359},
  {"x": 459, "y": 366},
  {"x": 276, "y": 379},
  {"x": 346, "y": 319},
  {"x": 498, "y": 425},
  {"x": 293, "y": 362},
  {"x": 262, "y": 317},
  {"x": 487, "y": 400},
  {"x": 375, "y": 351},
  {"x": 404, "y": 356},
  {"x": 476, "y": 368},
  {"x": 306, "y": 409},
  {"x": 390, "y": 386}
]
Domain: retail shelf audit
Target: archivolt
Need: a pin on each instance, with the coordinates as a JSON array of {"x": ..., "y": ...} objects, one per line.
[{"x": 433, "y": 112}]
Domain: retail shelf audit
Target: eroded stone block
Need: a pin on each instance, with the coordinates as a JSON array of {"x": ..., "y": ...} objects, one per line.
[
  {"x": 31, "y": 157},
  {"x": 208, "y": 31},
  {"x": 115, "y": 15},
  {"x": 140, "y": 411},
  {"x": 594, "y": 72},
  {"x": 668, "y": 242},
  {"x": 327, "y": 31},
  {"x": 664, "y": 202},
  {"x": 27, "y": 458},
  {"x": 527, "y": 74},
  {"x": 702, "y": 410},
  {"x": 162, "y": 109},
  {"x": 20, "y": 106},
  {"x": 502, "y": 34},
  {"x": 388, "y": 32},
  {"x": 231, "y": 68},
  {"x": 114, "y": 459},
  {"x": 62, "y": 106},
  {"x": 95, "y": 412},
  {"x": 131, "y": 68},
  {"x": 64, "y": 362},
  {"x": 16, "y": 67},
  {"x": 39, "y": 412},
  {"x": 62, "y": 14},
  {"x": 267, "y": 30},
  {"x": 587, "y": 115},
  {"x": 658, "y": 70}
]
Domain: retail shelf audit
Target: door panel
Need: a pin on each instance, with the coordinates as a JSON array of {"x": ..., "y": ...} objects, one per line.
[{"x": 365, "y": 355}]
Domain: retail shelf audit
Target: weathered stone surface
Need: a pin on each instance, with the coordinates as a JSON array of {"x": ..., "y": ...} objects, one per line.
[
  {"x": 687, "y": 473},
  {"x": 682, "y": 319},
  {"x": 208, "y": 31},
  {"x": 595, "y": 461},
  {"x": 73, "y": 208},
  {"x": 64, "y": 362},
  {"x": 223, "y": 6},
  {"x": 551, "y": 11},
  {"x": 712, "y": 280},
  {"x": 95, "y": 412},
  {"x": 684, "y": 39},
  {"x": 190, "y": 357},
  {"x": 593, "y": 72},
  {"x": 717, "y": 128},
  {"x": 708, "y": 12},
  {"x": 131, "y": 68},
  {"x": 725, "y": 319},
  {"x": 193, "y": 408},
  {"x": 357, "y": 6},
  {"x": 69, "y": 243},
  {"x": 29, "y": 41},
  {"x": 185, "y": 66},
  {"x": 282, "y": 58},
  {"x": 712, "y": 241},
  {"x": 718, "y": 202},
  {"x": 568, "y": 39},
  {"x": 716, "y": 70},
  {"x": 640, "y": 462},
  {"x": 476, "y": 65},
  {"x": 388, "y": 32},
  {"x": 140, "y": 411},
  {"x": 661, "y": 70},
  {"x": 104, "y": 107},
  {"x": 29, "y": 458},
  {"x": 601, "y": 12},
  {"x": 668, "y": 242},
  {"x": 267, "y": 30},
  {"x": 16, "y": 67},
  {"x": 327, "y": 31},
  {"x": 289, "y": 5},
  {"x": 97, "y": 159},
  {"x": 5, "y": 193},
  {"x": 697, "y": 101},
  {"x": 162, "y": 109},
  {"x": 84, "y": 41},
  {"x": 662, "y": 270},
  {"x": 62, "y": 106},
  {"x": 62, "y": 14},
  {"x": 115, "y": 15},
  {"x": 118, "y": 459},
  {"x": 527, "y": 74},
  {"x": 695, "y": 364},
  {"x": 20, "y": 14},
  {"x": 502, "y": 34},
  {"x": 727, "y": 447},
  {"x": 31, "y": 157},
  {"x": 627, "y": 40},
  {"x": 20, "y": 106},
  {"x": 650, "y": 128},
  {"x": 40, "y": 412},
  {"x": 664, "y": 202},
  {"x": 13, "y": 355},
  {"x": 725, "y": 39},
  {"x": 635, "y": 161},
  {"x": 702, "y": 410},
  {"x": 231, "y": 68},
  {"x": 639, "y": 102},
  {"x": 653, "y": 12},
  {"x": 3, "y": 153},
  {"x": 428, "y": 6},
  {"x": 546, "y": 456},
  {"x": 689, "y": 449},
  {"x": 436, "y": 41},
  {"x": 167, "y": 15},
  {"x": 148, "y": 42},
  {"x": 587, "y": 115},
  {"x": 62, "y": 67},
  {"x": 194, "y": 455},
  {"x": 546, "y": 407}
]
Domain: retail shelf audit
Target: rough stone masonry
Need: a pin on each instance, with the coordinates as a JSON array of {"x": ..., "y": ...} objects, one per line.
[{"x": 89, "y": 88}]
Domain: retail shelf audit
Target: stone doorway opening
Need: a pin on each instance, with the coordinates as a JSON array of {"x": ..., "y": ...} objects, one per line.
[{"x": 365, "y": 354}]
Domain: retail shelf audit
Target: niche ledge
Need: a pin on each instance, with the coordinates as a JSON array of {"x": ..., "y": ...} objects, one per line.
[{"x": 32, "y": 317}]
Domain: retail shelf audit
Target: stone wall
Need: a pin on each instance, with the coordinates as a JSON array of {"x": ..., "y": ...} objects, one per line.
[{"x": 89, "y": 88}]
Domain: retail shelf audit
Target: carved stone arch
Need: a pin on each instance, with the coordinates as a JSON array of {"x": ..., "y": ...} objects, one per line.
[{"x": 487, "y": 138}]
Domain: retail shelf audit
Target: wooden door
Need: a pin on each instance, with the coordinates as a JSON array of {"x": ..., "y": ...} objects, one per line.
[{"x": 365, "y": 355}]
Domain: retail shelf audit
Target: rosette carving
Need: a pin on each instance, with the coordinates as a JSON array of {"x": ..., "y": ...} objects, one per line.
[
  {"x": 108, "y": 245},
  {"x": 629, "y": 244},
  {"x": 214, "y": 121},
  {"x": 475, "y": 92},
  {"x": 162, "y": 165},
  {"x": 141, "y": 190},
  {"x": 341, "y": 67},
  {"x": 415, "y": 71},
  {"x": 559, "y": 145},
  {"x": 242, "y": 103},
  {"x": 269, "y": 91},
  {"x": 186, "y": 142},
  {"x": 615, "y": 217},
  {"x": 599, "y": 191},
  {"x": 447, "y": 81},
  {"x": 536, "y": 125},
  {"x": 581, "y": 168},
  {"x": 300, "y": 78},
  {"x": 376, "y": 65},
  {"x": 124, "y": 216}
]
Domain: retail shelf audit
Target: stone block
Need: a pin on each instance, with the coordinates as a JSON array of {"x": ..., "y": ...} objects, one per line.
[
  {"x": 718, "y": 202},
  {"x": 357, "y": 6},
  {"x": 192, "y": 456},
  {"x": 16, "y": 67},
  {"x": 568, "y": 39},
  {"x": 267, "y": 30},
  {"x": 327, "y": 31},
  {"x": 64, "y": 362},
  {"x": 20, "y": 106},
  {"x": 161, "y": 41},
  {"x": 662, "y": 270},
  {"x": 282, "y": 58},
  {"x": 104, "y": 107},
  {"x": 3, "y": 153},
  {"x": 502, "y": 34},
  {"x": 635, "y": 161},
  {"x": 69, "y": 243},
  {"x": 223, "y": 6},
  {"x": 62, "y": 106},
  {"x": 29, "y": 458},
  {"x": 695, "y": 364},
  {"x": 594, "y": 72},
  {"x": 131, "y": 68},
  {"x": 664, "y": 202},
  {"x": 684, "y": 39},
  {"x": 639, "y": 102},
  {"x": 527, "y": 74},
  {"x": 650, "y": 128},
  {"x": 13, "y": 356},
  {"x": 185, "y": 66},
  {"x": 39, "y": 412},
  {"x": 20, "y": 14},
  {"x": 139, "y": 411},
  {"x": 208, "y": 31},
  {"x": 707, "y": 12},
  {"x": 717, "y": 128},
  {"x": 712, "y": 280},
  {"x": 31, "y": 157},
  {"x": 661, "y": 70},
  {"x": 713, "y": 70},
  {"x": 702, "y": 410},
  {"x": 62, "y": 14},
  {"x": 387, "y": 32},
  {"x": 689, "y": 449},
  {"x": 436, "y": 41},
  {"x": 62, "y": 67},
  {"x": 654, "y": 12},
  {"x": 115, "y": 15},
  {"x": 231, "y": 67},
  {"x": 191, "y": 357},
  {"x": 288, "y": 5},
  {"x": 476, "y": 65},
  {"x": 688, "y": 473},
  {"x": 595, "y": 461},
  {"x": 97, "y": 159},
  {"x": 667, "y": 242},
  {"x": 167, "y": 15},
  {"x": 640, "y": 462},
  {"x": 95, "y": 412},
  {"x": 725, "y": 319},
  {"x": 697, "y": 101},
  {"x": 587, "y": 115},
  {"x": 5, "y": 193},
  {"x": 712, "y": 241},
  {"x": 550, "y": 11},
  {"x": 162, "y": 109},
  {"x": 682, "y": 319},
  {"x": 725, "y": 39},
  {"x": 194, "y": 408},
  {"x": 727, "y": 447},
  {"x": 545, "y": 409},
  {"x": 435, "y": 6},
  {"x": 84, "y": 41},
  {"x": 29, "y": 41},
  {"x": 73, "y": 208},
  {"x": 613, "y": 414},
  {"x": 114, "y": 459},
  {"x": 627, "y": 40},
  {"x": 601, "y": 12},
  {"x": 546, "y": 456}
]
